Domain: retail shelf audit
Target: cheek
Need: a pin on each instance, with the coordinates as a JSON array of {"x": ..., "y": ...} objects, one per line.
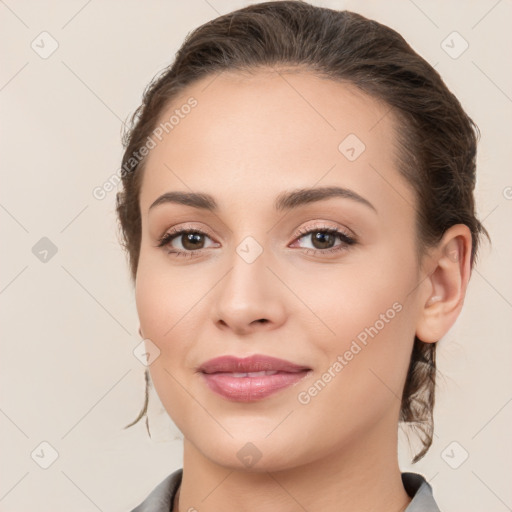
[
  {"x": 163, "y": 295},
  {"x": 162, "y": 307},
  {"x": 170, "y": 306},
  {"x": 370, "y": 316},
  {"x": 362, "y": 296},
  {"x": 150, "y": 303}
]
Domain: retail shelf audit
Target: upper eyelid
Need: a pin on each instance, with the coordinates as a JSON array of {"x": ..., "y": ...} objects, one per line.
[
  {"x": 324, "y": 225},
  {"x": 318, "y": 225}
]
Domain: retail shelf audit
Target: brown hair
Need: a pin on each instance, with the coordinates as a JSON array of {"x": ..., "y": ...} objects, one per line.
[{"x": 437, "y": 140}]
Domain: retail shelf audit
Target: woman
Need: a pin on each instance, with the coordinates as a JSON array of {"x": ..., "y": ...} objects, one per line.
[{"x": 298, "y": 212}]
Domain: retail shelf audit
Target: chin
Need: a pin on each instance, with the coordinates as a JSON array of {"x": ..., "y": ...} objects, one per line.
[{"x": 254, "y": 454}]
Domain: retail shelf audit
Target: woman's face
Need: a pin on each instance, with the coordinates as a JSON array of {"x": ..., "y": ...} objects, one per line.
[{"x": 267, "y": 280}]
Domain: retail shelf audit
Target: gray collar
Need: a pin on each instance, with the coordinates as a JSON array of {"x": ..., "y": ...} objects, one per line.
[
  {"x": 421, "y": 493},
  {"x": 162, "y": 496}
]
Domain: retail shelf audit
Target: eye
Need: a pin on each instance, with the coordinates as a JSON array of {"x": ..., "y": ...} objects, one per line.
[
  {"x": 323, "y": 239},
  {"x": 191, "y": 241}
]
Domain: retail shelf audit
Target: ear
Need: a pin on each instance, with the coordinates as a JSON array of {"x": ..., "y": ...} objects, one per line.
[{"x": 444, "y": 289}]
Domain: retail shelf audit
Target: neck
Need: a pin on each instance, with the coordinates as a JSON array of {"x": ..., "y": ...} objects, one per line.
[{"x": 360, "y": 476}]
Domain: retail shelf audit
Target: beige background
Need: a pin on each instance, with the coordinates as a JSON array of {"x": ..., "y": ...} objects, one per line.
[{"x": 69, "y": 325}]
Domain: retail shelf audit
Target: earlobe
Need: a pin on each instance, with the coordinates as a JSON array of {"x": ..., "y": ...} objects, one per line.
[{"x": 446, "y": 284}]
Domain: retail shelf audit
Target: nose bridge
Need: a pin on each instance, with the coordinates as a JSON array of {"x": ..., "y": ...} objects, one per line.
[
  {"x": 249, "y": 291},
  {"x": 248, "y": 279}
]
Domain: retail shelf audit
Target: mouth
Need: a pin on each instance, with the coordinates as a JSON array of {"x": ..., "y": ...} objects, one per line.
[
  {"x": 253, "y": 364},
  {"x": 252, "y": 378},
  {"x": 249, "y": 374}
]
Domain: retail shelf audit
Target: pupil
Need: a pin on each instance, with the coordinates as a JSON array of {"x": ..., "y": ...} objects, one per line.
[
  {"x": 321, "y": 236},
  {"x": 191, "y": 238}
]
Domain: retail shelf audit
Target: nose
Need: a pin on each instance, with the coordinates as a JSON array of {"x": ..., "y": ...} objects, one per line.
[{"x": 250, "y": 297}]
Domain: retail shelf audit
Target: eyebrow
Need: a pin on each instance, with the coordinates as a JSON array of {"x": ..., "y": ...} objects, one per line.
[{"x": 285, "y": 201}]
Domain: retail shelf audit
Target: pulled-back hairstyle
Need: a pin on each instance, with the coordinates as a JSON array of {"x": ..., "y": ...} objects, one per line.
[{"x": 436, "y": 138}]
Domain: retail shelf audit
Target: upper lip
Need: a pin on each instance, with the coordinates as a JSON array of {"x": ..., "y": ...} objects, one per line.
[{"x": 254, "y": 363}]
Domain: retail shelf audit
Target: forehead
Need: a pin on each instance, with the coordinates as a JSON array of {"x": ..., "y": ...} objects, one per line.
[{"x": 271, "y": 131}]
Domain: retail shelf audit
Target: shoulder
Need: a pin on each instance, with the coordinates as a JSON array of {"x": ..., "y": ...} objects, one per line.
[
  {"x": 161, "y": 497},
  {"x": 421, "y": 493}
]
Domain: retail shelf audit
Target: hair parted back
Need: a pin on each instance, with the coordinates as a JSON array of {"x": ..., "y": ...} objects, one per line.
[{"x": 436, "y": 138}]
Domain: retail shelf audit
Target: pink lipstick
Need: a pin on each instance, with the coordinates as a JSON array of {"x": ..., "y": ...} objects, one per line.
[{"x": 251, "y": 378}]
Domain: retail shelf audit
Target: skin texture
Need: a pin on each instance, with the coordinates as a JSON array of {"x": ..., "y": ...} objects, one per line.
[{"x": 249, "y": 139}]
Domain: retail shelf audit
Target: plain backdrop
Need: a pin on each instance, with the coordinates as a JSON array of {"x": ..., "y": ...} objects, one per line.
[{"x": 72, "y": 72}]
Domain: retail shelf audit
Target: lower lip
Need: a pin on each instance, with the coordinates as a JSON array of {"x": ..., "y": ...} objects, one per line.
[{"x": 250, "y": 389}]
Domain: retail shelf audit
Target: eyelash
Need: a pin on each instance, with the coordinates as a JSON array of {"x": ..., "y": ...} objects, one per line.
[{"x": 346, "y": 240}]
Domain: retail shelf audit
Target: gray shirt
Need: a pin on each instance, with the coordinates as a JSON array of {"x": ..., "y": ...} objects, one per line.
[{"x": 161, "y": 497}]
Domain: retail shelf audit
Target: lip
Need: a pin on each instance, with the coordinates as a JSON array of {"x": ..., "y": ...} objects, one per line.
[
  {"x": 220, "y": 375},
  {"x": 254, "y": 363}
]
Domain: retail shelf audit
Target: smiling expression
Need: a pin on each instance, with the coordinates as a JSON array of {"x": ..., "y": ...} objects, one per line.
[{"x": 262, "y": 234}]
